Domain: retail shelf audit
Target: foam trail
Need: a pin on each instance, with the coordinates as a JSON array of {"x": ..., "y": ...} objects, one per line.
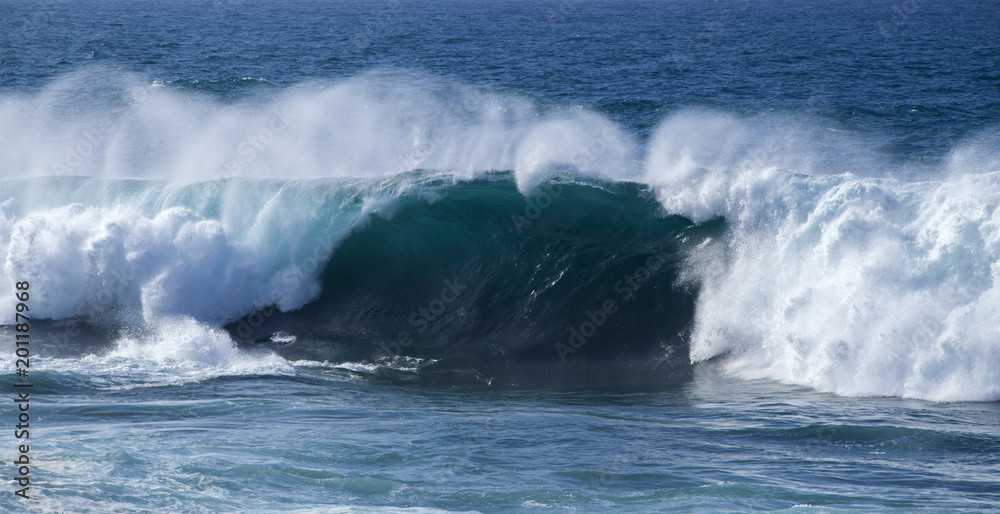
[{"x": 850, "y": 284}]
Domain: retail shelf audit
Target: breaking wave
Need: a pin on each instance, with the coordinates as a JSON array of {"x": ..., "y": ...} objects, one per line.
[{"x": 396, "y": 216}]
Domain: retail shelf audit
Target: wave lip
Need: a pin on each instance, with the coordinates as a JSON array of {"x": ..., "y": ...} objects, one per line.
[
  {"x": 106, "y": 124},
  {"x": 797, "y": 253},
  {"x": 488, "y": 281}
]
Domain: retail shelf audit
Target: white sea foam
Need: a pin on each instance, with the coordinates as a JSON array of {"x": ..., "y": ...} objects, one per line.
[
  {"x": 89, "y": 261},
  {"x": 168, "y": 350},
  {"x": 179, "y": 349},
  {"x": 842, "y": 272},
  {"x": 215, "y": 255},
  {"x": 851, "y": 284}
]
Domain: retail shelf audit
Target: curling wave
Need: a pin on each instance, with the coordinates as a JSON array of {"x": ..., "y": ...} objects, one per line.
[{"x": 391, "y": 216}]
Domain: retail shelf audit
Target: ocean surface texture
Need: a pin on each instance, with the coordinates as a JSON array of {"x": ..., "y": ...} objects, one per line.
[{"x": 363, "y": 256}]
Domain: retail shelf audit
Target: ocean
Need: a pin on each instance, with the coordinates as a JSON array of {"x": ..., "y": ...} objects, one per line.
[{"x": 466, "y": 256}]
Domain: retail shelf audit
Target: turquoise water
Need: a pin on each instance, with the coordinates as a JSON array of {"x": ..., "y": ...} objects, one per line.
[
  {"x": 467, "y": 256},
  {"x": 326, "y": 437}
]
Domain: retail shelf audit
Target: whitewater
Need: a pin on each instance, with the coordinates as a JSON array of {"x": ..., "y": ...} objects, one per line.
[
  {"x": 534, "y": 255},
  {"x": 130, "y": 204}
]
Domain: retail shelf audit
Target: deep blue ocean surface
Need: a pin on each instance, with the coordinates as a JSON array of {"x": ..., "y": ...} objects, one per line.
[{"x": 325, "y": 256}]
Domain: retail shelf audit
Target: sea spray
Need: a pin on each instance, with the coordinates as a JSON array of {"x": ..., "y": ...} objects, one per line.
[{"x": 839, "y": 269}]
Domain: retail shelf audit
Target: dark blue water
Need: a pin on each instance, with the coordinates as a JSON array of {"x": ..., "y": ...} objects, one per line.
[
  {"x": 476, "y": 256},
  {"x": 921, "y": 73}
]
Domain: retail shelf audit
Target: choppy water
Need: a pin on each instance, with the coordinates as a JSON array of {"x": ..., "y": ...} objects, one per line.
[{"x": 328, "y": 256}]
